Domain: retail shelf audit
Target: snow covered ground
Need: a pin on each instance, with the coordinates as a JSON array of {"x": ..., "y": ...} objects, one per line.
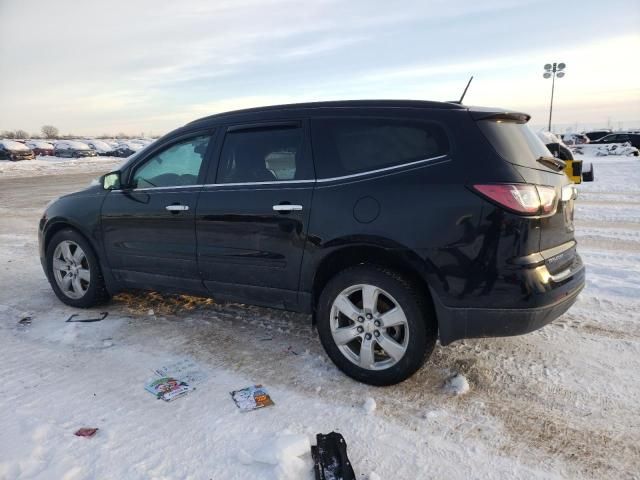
[
  {"x": 46, "y": 165},
  {"x": 561, "y": 402}
]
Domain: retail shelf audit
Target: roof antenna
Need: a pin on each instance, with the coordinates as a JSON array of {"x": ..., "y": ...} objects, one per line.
[{"x": 465, "y": 90}]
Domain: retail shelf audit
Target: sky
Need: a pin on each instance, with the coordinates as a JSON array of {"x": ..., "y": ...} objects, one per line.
[{"x": 91, "y": 67}]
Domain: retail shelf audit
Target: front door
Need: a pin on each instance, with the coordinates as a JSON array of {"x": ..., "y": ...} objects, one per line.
[
  {"x": 253, "y": 214},
  {"x": 149, "y": 225}
]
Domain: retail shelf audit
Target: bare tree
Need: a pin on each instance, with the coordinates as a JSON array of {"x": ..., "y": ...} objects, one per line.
[
  {"x": 49, "y": 131},
  {"x": 21, "y": 134},
  {"x": 7, "y": 134}
]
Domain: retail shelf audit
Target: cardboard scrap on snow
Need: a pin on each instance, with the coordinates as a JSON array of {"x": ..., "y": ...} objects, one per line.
[
  {"x": 185, "y": 370},
  {"x": 168, "y": 388},
  {"x": 251, "y": 398},
  {"x": 86, "y": 432}
]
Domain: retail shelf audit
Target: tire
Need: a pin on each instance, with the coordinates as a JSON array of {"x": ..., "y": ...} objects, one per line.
[
  {"x": 413, "y": 341},
  {"x": 92, "y": 290}
]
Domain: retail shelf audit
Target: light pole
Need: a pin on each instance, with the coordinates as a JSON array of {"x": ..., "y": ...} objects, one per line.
[{"x": 552, "y": 71}]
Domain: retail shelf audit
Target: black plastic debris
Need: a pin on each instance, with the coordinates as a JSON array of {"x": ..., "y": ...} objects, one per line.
[
  {"x": 72, "y": 318},
  {"x": 330, "y": 458},
  {"x": 25, "y": 322}
]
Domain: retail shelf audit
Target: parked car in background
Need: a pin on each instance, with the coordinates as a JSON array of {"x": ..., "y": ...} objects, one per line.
[
  {"x": 14, "y": 151},
  {"x": 40, "y": 147},
  {"x": 575, "y": 138},
  {"x": 620, "y": 137},
  {"x": 394, "y": 223},
  {"x": 127, "y": 148},
  {"x": 73, "y": 149},
  {"x": 597, "y": 134},
  {"x": 100, "y": 147}
]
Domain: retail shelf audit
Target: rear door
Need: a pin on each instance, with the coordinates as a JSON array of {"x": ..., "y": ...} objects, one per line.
[
  {"x": 253, "y": 213},
  {"x": 149, "y": 227}
]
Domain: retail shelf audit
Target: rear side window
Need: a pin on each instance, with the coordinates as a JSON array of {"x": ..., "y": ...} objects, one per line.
[
  {"x": 264, "y": 155},
  {"x": 515, "y": 142},
  {"x": 344, "y": 146}
]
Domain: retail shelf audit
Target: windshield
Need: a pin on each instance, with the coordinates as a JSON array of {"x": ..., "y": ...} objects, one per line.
[{"x": 515, "y": 142}]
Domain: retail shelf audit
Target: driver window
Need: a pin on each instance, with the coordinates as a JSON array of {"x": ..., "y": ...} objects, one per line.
[{"x": 178, "y": 165}]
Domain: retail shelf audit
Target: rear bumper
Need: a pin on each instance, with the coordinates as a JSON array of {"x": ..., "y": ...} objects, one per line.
[{"x": 550, "y": 300}]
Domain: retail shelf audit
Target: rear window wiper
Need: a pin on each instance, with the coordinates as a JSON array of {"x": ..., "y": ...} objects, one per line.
[{"x": 552, "y": 162}]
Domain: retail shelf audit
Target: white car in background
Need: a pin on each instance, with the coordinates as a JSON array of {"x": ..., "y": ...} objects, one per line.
[
  {"x": 126, "y": 148},
  {"x": 73, "y": 149},
  {"x": 101, "y": 147},
  {"x": 14, "y": 151}
]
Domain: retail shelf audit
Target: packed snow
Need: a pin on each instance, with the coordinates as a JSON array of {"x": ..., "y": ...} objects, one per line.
[
  {"x": 457, "y": 384},
  {"x": 560, "y": 402},
  {"x": 39, "y": 144},
  {"x": 71, "y": 144},
  {"x": 49, "y": 165},
  {"x": 99, "y": 146},
  {"x": 13, "y": 145}
]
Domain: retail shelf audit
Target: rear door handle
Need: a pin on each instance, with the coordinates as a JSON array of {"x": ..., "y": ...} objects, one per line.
[
  {"x": 287, "y": 208},
  {"x": 177, "y": 208}
]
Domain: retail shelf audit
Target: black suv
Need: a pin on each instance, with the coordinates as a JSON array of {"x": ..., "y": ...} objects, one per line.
[{"x": 394, "y": 223}]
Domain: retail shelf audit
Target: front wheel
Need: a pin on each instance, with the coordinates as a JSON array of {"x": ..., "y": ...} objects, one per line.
[
  {"x": 375, "y": 325},
  {"x": 73, "y": 270}
]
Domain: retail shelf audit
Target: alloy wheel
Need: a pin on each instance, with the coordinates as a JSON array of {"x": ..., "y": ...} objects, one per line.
[
  {"x": 369, "y": 327},
  {"x": 71, "y": 269}
]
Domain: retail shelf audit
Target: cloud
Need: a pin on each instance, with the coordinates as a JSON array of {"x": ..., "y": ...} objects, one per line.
[{"x": 155, "y": 64}]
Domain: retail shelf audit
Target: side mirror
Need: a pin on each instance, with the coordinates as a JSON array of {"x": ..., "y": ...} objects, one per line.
[{"x": 111, "y": 181}]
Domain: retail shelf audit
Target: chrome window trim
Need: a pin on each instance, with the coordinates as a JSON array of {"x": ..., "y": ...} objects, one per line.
[
  {"x": 199, "y": 185},
  {"x": 272, "y": 182},
  {"x": 298, "y": 182},
  {"x": 381, "y": 170}
]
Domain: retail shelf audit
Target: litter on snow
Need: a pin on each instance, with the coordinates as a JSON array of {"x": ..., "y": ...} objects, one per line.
[
  {"x": 251, "y": 398},
  {"x": 330, "y": 458},
  {"x": 168, "y": 388},
  {"x": 25, "y": 322},
  {"x": 185, "y": 370},
  {"x": 86, "y": 432},
  {"x": 72, "y": 318}
]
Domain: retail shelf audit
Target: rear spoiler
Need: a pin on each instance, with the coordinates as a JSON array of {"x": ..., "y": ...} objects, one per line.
[{"x": 506, "y": 116}]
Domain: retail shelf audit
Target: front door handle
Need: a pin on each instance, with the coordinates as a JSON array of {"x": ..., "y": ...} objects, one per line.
[
  {"x": 177, "y": 208},
  {"x": 287, "y": 208}
]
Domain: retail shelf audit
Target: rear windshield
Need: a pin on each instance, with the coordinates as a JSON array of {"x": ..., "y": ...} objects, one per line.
[{"x": 515, "y": 142}]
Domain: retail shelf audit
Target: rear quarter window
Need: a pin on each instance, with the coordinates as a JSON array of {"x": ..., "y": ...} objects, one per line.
[
  {"x": 344, "y": 146},
  {"x": 515, "y": 142}
]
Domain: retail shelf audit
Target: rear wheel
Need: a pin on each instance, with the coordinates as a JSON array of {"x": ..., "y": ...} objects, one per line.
[
  {"x": 375, "y": 325},
  {"x": 73, "y": 270}
]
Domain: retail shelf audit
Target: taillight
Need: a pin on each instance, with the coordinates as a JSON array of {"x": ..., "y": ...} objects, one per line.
[{"x": 521, "y": 198}]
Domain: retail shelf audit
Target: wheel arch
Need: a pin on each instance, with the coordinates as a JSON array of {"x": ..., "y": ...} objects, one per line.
[
  {"x": 401, "y": 260},
  {"x": 57, "y": 225}
]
